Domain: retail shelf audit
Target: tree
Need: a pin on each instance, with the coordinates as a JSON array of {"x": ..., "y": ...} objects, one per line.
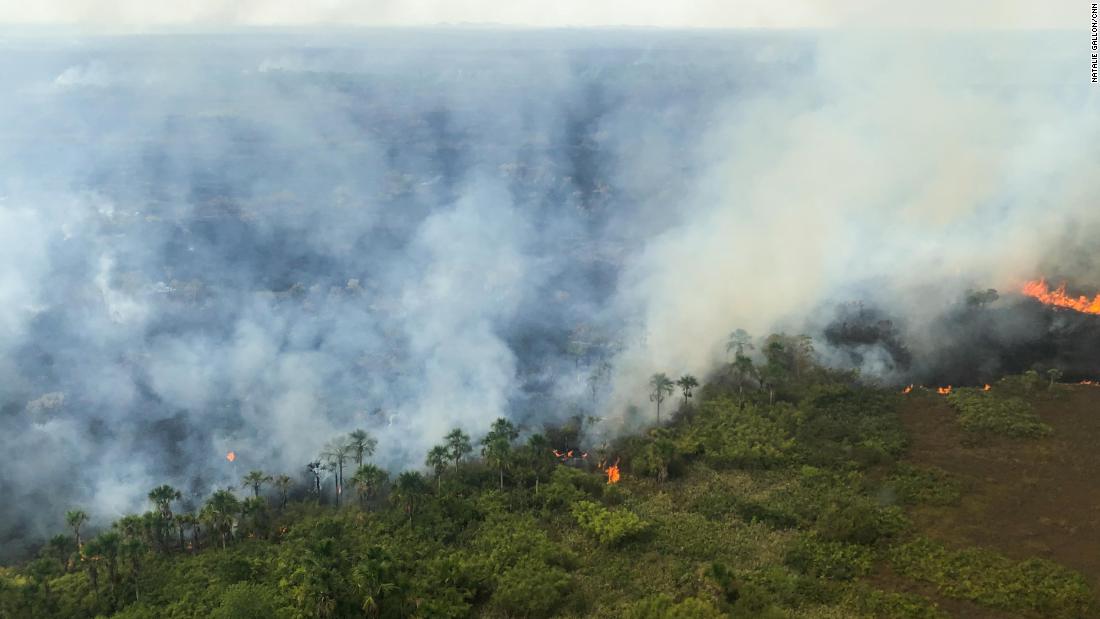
[
  {"x": 283, "y": 483},
  {"x": 687, "y": 384},
  {"x": 540, "y": 457},
  {"x": 367, "y": 479},
  {"x": 361, "y": 444},
  {"x": 107, "y": 543},
  {"x": 661, "y": 386},
  {"x": 744, "y": 372},
  {"x": 458, "y": 444},
  {"x": 220, "y": 511},
  {"x": 497, "y": 451},
  {"x": 739, "y": 341},
  {"x": 497, "y": 445},
  {"x": 92, "y": 555},
  {"x": 133, "y": 549},
  {"x": 407, "y": 490},
  {"x": 162, "y": 497},
  {"x": 255, "y": 479},
  {"x": 316, "y": 468},
  {"x": 61, "y": 547},
  {"x": 375, "y": 578},
  {"x": 76, "y": 519},
  {"x": 1054, "y": 374},
  {"x": 336, "y": 453},
  {"x": 437, "y": 460}
]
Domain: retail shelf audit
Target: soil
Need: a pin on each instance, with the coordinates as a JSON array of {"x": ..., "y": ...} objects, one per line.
[{"x": 1024, "y": 498}]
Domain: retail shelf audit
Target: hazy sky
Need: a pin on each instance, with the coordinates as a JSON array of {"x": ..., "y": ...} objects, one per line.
[{"x": 143, "y": 14}]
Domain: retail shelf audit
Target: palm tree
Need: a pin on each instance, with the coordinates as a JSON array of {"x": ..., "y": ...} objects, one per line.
[
  {"x": 316, "y": 468},
  {"x": 497, "y": 450},
  {"x": 743, "y": 371},
  {"x": 437, "y": 460},
  {"x": 661, "y": 387},
  {"x": 540, "y": 455},
  {"x": 255, "y": 479},
  {"x": 61, "y": 546},
  {"x": 375, "y": 577},
  {"x": 220, "y": 510},
  {"x": 362, "y": 444},
  {"x": 739, "y": 341},
  {"x": 182, "y": 521},
  {"x": 687, "y": 384},
  {"x": 367, "y": 479},
  {"x": 108, "y": 543},
  {"x": 162, "y": 497},
  {"x": 1054, "y": 374},
  {"x": 283, "y": 483},
  {"x": 336, "y": 453},
  {"x": 458, "y": 444},
  {"x": 133, "y": 549},
  {"x": 407, "y": 491},
  {"x": 76, "y": 519},
  {"x": 91, "y": 556}
]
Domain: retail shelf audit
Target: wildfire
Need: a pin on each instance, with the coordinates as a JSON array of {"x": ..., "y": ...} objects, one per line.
[
  {"x": 231, "y": 456},
  {"x": 1090, "y": 382},
  {"x": 986, "y": 387},
  {"x": 1038, "y": 289},
  {"x": 943, "y": 390},
  {"x": 907, "y": 390},
  {"x": 613, "y": 473}
]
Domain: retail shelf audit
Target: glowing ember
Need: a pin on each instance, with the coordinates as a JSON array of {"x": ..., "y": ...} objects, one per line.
[
  {"x": 907, "y": 389},
  {"x": 231, "y": 456},
  {"x": 1039, "y": 290},
  {"x": 986, "y": 387},
  {"x": 943, "y": 390},
  {"x": 613, "y": 473}
]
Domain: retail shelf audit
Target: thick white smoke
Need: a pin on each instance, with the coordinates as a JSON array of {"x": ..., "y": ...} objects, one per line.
[{"x": 255, "y": 243}]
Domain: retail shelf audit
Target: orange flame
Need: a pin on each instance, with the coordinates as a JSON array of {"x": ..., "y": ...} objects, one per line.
[
  {"x": 943, "y": 390},
  {"x": 231, "y": 456},
  {"x": 907, "y": 390},
  {"x": 986, "y": 387},
  {"x": 1038, "y": 289},
  {"x": 613, "y": 473},
  {"x": 1089, "y": 382}
]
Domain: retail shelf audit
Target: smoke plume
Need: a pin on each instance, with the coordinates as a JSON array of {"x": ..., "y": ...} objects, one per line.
[{"x": 255, "y": 242}]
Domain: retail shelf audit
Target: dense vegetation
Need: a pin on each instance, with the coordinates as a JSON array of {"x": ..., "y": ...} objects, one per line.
[{"x": 774, "y": 490}]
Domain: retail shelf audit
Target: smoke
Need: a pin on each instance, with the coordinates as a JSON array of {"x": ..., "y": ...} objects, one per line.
[{"x": 257, "y": 242}]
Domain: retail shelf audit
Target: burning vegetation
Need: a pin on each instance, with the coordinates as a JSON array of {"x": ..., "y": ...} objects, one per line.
[{"x": 1039, "y": 290}]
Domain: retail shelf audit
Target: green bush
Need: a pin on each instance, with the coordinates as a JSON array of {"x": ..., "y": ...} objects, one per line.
[
  {"x": 860, "y": 522},
  {"x": 927, "y": 485},
  {"x": 986, "y": 412},
  {"x": 531, "y": 589},
  {"x": 994, "y": 580},
  {"x": 828, "y": 559},
  {"x": 663, "y": 607},
  {"x": 891, "y": 605},
  {"x": 249, "y": 601},
  {"x": 847, "y": 426},
  {"x": 726, "y": 435},
  {"x": 609, "y": 527}
]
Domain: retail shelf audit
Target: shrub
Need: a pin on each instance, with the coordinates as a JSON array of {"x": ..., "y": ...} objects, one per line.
[
  {"x": 996, "y": 581},
  {"x": 725, "y": 434},
  {"x": 663, "y": 607},
  {"x": 531, "y": 589},
  {"x": 983, "y": 411},
  {"x": 860, "y": 522},
  {"x": 609, "y": 527},
  {"x": 828, "y": 559},
  {"x": 249, "y": 601},
  {"x": 927, "y": 485}
]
